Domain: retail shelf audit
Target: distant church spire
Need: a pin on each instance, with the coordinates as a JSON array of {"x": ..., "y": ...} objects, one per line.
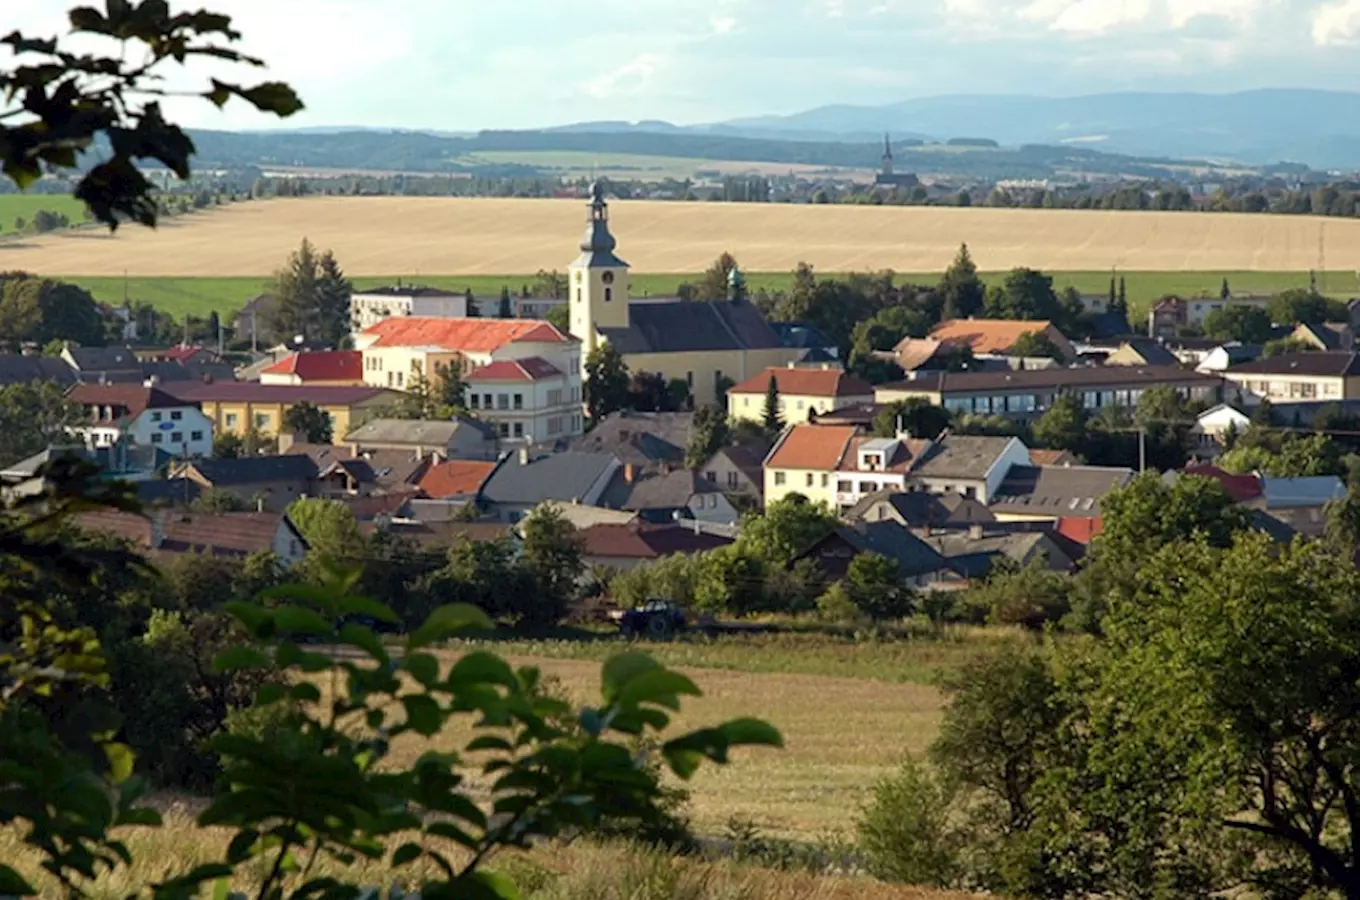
[
  {"x": 887, "y": 155},
  {"x": 597, "y": 237}
]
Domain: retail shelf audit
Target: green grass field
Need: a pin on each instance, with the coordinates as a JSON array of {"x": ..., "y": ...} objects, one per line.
[
  {"x": 200, "y": 296},
  {"x": 15, "y": 206}
]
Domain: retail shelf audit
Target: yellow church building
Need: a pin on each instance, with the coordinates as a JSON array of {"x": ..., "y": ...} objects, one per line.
[{"x": 705, "y": 343}]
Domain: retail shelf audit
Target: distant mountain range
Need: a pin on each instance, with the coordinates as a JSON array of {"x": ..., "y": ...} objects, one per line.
[{"x": 1320, "y": 128}]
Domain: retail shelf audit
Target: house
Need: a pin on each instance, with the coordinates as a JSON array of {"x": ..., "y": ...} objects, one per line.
[
  {"x": 457, "y": 479},
  {"x": 1050, "y": 493},
  {"x": 1026, "y": 395},
  {"x": 973, "y": 553},
  {"x": 668, "y": 496},
  {"x": 184, "y": 354},
  {"x": 24, "y": 369},
  {"x": 142, "y": 416},
  {"x": 839, "y": 465},
  {"x": 921, "y": 511},
  {"x": 581, "y": 517},
  {"x": 121, "y": 462},
  {"x": 1108, "y": 324},
  {"x": 238, "y": 407},
  {"x": 1296, "y": 376},
  {"x": 458, "y": 438},
  {"x": 331, "y": 368},
  {"x": 522, "y": 375},
  {"x": 996, "y": 337},
  {"x": 369, "y": 307},
  {"x": 1141, "y": 352},
  {"x": 522, "y": 480},
  {"x": 1313, "y": 492},
  {"x": 269, "y": 482},
  {"x": 231, "y": 535},
  {"x": 1170, "y": 314},
  {"x": 1226, "y": 356},
  {"x": 626, "y": 546},
  {"x": 802, "y": 392},
  {"x": 344, "y": 473},
  {"x": 738, "y": 469},
  {"x": 1241, "y": 488},
  {"x": 646, "y": 440},
  {"x": 1212, "y": 427},
  {"x": 1332, "y": 336},
  {"x": 255, "y": 320},
  {"x": 104, "y": 364},
  {"x": 919, "y": 564},
  {"x": 705, "y": 344}
]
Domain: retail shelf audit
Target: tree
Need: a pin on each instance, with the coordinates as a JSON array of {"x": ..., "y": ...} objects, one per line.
[
  {"x": 308, "y": 420},
  {"x": 915, "y": 416},
  {"x": 731, "y": 580},
  {"x": 647, "y": 392},
  {"x": 473, "y": 311},
  {"x": 329, "y": 527},
  {"x": 786, "y": 528},
  {"x": 873, "y": 583},
  {"x": 39, "y": 311},
  {"x": 773, "y": 418},
  {"x": 709, "y": 433},
  {"x": 227, "y": 445},
  {"x": 295, "y": 287},
  {"x": 1285, "y": 347},
  {"x": 1225, "y": 292},
  {"x": 1025, "y": 294},
  {"x": 218, "y": 501},
  {"x": 606, "y": 387},
  {"x": 1290, "y": 456},
  {"x": 1247, "y": 324},
  {"x": 1123, "y": 297},
  {"x": 552, "y": 285},
  {"x": 72, "y": 98},
  {"x": 505, "y": 310},
  {"x": 560, "y": 318},
  {"x": 961, "y": 288},
  {"x": 1035, "y": 344},
  {"x": 713, "y": 285},
  {"x": 333, "y": 292},
  {"x": 1063, "y": 425},
  {"x": 552, "y": 554},
  {"x": 33, "y": 416},
  {"x": 449, "y": 390},
  {"x": 1298, "y": 305}
]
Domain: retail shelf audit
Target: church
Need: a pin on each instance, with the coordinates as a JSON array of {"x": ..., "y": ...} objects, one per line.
[{"x": 705, "y": 343}]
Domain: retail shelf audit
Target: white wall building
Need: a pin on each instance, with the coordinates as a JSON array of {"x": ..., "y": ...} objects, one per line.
[
  {"x": 368, "y": 308},
  {"x": 526, "y": 399},
  {"x": 142, "y": 416}
]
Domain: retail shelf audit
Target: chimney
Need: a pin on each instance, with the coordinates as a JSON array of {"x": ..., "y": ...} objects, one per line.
[
  {"x": 524, "y": 456},
  {"x": 259, "y": 504},
  {"x": 152, "y": 381},
  {"x": 975, "y": 531},
  {"x": 791, "y": 365},
  {"x": 629, "y": 473}
]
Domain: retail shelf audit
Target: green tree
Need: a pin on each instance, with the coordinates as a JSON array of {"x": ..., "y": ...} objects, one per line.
[
  {"x": 772, "y": 418},
  {"x": 1248, "y": 324},
  {"x": 607, "y": 381},
  {"x": 560, "y": 318},
  {"x": 961, "y": 289},
  {"x": 449, "y": 391},
  {"x": 33, "y": 416},
  {"x": 731, "y": 580},
  {"x": 915, "y": 416},
  {"x": 1290, "y": 456},
  {"x": 713, "y": 285},
  {"x": 295, "y": 287},
  {"x": 1035, "y": 344},
  {"x": 333, "y": 292},
  {"x": 505, "y": 310},
  {"x": 39, "y": 310},
  {"x": 709, "y": 433},
  {"x": 1286, "y": 346},
  {"x": 473, "y": 311},
  {"x": 227, "y": 445},
  {"x": 329, "y": 527},
  {"x": 1298, "y": 305},
  {"x": 552, "y": 554},
  {"x": 1123, "y": 297},
  {"x": 786, "y": 528},
  {"x": 1225, "y": 292},
  {"x": 874, "y": 585},
  {"x": 218, "y": 501},
  {"x": 310, "y": 421},
  {"x": 1025, "y": 294},
  {"x": 1063, "y": 425}
]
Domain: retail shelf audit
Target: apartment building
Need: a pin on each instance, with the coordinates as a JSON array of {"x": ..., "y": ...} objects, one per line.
[
  {"x": 141, "y": 416},
  {"x": 1297, "y": 377}
]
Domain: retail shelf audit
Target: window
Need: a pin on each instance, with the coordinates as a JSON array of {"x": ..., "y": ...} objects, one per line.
[
  {"x": 390, "y": 381},
  {"x": 231, "y": 420},
  {"x": 519, "y": 401},
  {"x": 486, "y": 401},
  {"x": 177, "y": 437},
  {"x": 868, "y": 487},
  {"x": 810, "y": 479},
  {"x": 844, "y": 487},
  {"x": 195, "y": 435},
  {"x": 826, "y": 479},
  {"x": 732, "y": 482},
  {"x": 504, "y": 429},
  {"x": 502, "y": 401},
  {"x": 779, "y": 479},
  {"x": 555, "y": 397},
  {"x": 519, "y": 429},
  {"x": 800, "y": 404},
  {"x": 401, "y": 379},
  {"x": 262, "y": 420},
  {"x": 970, "y": 493},
  {"x": 555, "y": 425},
  {"x": 155, "y": 417},
  {"x": 689, "y": 378},
  {"x": 473, "y": 401},
  {"x": 176, "y": 416},
  {"x": 745, "y": 401},
  {"x": 711, "y": 477},
  {"x": 156, "y": 438},
  {"x": 608, "y": 294}
]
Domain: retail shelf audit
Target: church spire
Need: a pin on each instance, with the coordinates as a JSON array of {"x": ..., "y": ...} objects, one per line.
[
  {"x": 887, "y": 155},
  {"x": 597, "y": 237}
]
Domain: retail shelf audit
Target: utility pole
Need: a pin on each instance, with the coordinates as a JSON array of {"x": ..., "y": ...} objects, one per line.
[{"x": 1142, "y": 449}]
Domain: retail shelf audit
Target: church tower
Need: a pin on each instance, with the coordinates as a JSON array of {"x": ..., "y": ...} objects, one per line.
[
  {"x": 598, "y": 294},
  {"x": 887, "y": 155}
]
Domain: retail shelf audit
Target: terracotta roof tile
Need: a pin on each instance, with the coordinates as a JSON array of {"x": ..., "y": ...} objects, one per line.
[
  {"x": 134, "y": 397},
  {"x": 466, "y": 335},
  {"x": 253, "y": 392},
  {"x": 985, "y": 335},
  {"x": 455, "y": 478},
  {"x": 806, "y": 383},
  {"x": 533, "y": 368},
  {"x": 321, "y": 365},
  {"x": 1241, "y": 488},
  {"x": 812, "y": 447}
]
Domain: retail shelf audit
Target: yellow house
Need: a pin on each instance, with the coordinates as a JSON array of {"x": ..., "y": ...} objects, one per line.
[
  {"x": 238, "y": 406},
  {"x": 804, "y": 461},
  {"x": 802, "y": 392},
  {"x": 707, "y": 345}
]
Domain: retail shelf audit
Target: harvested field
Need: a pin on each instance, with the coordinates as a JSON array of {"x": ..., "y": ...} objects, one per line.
[{"x": 398, "y": 236}]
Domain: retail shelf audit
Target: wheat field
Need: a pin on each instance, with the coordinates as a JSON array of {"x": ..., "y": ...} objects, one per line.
[{"x": 411, "y": 236}]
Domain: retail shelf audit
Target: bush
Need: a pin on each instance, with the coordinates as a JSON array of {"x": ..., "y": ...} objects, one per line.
[
  {"x": 906, "y": 833},
  {"x": 836, "y": 606}
]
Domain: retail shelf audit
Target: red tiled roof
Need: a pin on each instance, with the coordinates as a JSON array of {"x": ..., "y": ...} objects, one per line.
[
  {"x": 181, "y": 352},
  {"x": 1079, "y": 529},
  {"x": 806, "y": 383},
  {"x": 455, "y": 478},
  {"x": 253, "y": 392},
  {"x": 812, "y": 447},
  {"x": 221, "y": 534},
  {"x": 135, "y": 397},
  {"x": 322, "y": 365},
  {"x": 467, "y": 335},
  {"x": 905, "y": 454},
  {"x": 533, "y": 368},
  {"x": 1049, "y": 457},
  {"x": 367, "y": 508},
  {"x": 985, "y": 335},
  {"x": 1241, "y": 488},
  {"x": 634, "y": 542}
]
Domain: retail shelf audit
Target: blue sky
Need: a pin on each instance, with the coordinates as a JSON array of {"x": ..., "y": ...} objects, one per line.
[{"x": 471, "y": 64}]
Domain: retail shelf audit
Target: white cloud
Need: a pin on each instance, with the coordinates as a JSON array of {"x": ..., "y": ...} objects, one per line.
[
  {"x": 629, "y": 79},
  {"x": 1337, "y": 23},
  {"x": 722, "y": 24},
  {"x": 1100, "y": 16}
]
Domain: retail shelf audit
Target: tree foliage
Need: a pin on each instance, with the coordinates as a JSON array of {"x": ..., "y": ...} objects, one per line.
[
  {"x": 1063, "y": 425},
  {"x": 310, "y": 421},
  {"x": 772, "y": 417},
  {"x": 33, "y": 416},
  {"x": 709, "y": 433},
  {"x": 607, "y": 381},
  {"x": 915, "y": 416},
  {"x": 39, "y": 311}
]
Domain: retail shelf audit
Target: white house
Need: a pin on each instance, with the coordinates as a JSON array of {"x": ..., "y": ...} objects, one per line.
[
  {"x": 368, "y": 308},
  {"x": 1214, "y": 424},
  {"x": 526, "y": 399},
  {"x": 142, "y": 416}
]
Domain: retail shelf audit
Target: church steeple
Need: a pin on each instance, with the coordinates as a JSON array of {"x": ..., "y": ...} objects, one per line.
[
  {"x": 597, "y": 238},
  {"x": 887, "y": 155},
  {"x": 599, "y": 279}
]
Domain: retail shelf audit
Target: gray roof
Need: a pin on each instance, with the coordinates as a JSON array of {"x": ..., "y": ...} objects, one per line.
[
  {"x": 912, "y": 555},
  {"x": 962, "y": 456},
  {"x": 1322, "y": 363},
  {"x": 415, "y": 431},
  {"x": 1109, "y": 377},
  {"x": 162, "y": 492},
  {"x": 803, "y": 336},
  {"x": 918, "y": 509},
  {"x": 639, "y": 438},
  {"x": 104, "y": 358},
  {"x": 973, "y": 557},
  {"x": 27, "y": 468},
  {"x": 678, "y": 326},
  {"x": 668, "y": 491},
  {"x": 558, "y": 476},
  {"x": 749, "y": 458},
  {"x": 253, "y": 469},
  {"x": 1058, "y": 490},
  {"x": 1275, "y": 526},
  {"x": 16, "y": 369},
  {"x": 1292, "y": 493}
]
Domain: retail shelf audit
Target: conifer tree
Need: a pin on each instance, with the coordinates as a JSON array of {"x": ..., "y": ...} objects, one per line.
[
  {"x": 295, "y": 285},
  {"x": 333, "y": 292},
  {"x": 961, "y": 287},
  {"x": 472, "y": 311},
  {"x": 505, "y": 311},
  {"x": 774, "y": 420}
]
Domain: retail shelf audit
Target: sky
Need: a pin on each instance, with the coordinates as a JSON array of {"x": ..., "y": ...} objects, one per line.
[{"x": 466, "y": 65}]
